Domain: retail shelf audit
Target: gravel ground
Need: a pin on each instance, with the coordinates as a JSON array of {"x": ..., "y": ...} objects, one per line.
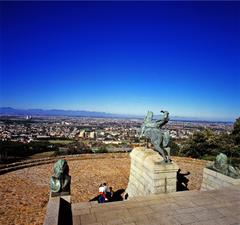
[{"x": 24, "y": 193}]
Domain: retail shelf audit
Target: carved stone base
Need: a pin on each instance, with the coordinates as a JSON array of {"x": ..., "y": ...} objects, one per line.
[
  {"x": 149, "y": 174},
  {"x": 65, "y": 195}
]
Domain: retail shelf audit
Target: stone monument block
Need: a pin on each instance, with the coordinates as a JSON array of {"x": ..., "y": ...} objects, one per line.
[{"x": 149, "y": 174}]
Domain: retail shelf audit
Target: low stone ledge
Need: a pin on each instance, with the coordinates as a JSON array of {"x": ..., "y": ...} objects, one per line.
[
  {"x": 36, "y": 162},
  {"x": 213, "y": 180}
]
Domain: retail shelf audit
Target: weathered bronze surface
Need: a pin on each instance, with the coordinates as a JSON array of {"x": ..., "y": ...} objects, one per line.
[
  {"x": 221, "y": 165},
  {"x": 60, "y": 181},
  {"x": 153, "y": 130}
]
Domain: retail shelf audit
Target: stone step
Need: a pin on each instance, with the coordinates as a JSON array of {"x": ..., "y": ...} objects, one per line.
[{"x": 189, "y": 207}]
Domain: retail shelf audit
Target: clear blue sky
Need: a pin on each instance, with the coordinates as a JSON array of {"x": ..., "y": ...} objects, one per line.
[{"x": 122, "y": 57}]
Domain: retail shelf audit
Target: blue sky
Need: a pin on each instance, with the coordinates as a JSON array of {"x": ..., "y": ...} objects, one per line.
[{"x": 122, "y": 57}]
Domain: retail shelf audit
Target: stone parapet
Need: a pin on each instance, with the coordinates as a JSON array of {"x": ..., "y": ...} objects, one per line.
[
  {"x": 213, "y": 180},
  {"x": 149, "y": 174}
]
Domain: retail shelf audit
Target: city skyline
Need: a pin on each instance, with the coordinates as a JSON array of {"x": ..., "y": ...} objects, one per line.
[{"x": 122, "y": 57}]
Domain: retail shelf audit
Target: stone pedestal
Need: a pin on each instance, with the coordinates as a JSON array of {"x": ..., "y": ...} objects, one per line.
[
  {"x": 58, "y": 211},
  {"x": 214, "y": 180},
  {"x": 64, "y": 195},
  {"x": 149, "y": 174}
]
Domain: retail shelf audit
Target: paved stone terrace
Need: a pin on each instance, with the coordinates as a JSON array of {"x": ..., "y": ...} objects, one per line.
[{"x": 218, "y": 207}]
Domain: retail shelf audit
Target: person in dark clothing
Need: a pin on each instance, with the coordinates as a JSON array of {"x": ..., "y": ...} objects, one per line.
[{"x": 182, "y": 181}]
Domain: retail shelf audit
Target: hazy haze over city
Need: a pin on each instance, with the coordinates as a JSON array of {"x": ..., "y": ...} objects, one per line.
[{"x": 122, "y": 57}]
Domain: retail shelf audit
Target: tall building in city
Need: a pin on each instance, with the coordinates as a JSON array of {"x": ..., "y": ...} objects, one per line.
[
  {"x": 82, "y": 134},
  {"x": 92, "y": 135}
]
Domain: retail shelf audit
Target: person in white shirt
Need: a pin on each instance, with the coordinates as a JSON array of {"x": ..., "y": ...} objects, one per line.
[
  {"x": 102, "y": 193},
  {"x": 101, "y": 189}
]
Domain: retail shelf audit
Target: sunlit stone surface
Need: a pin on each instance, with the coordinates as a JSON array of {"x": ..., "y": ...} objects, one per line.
[{"x": 149, "y": 174}]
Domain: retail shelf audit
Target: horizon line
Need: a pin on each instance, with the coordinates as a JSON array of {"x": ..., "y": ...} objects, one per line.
[{"x": 176, "y": 117}]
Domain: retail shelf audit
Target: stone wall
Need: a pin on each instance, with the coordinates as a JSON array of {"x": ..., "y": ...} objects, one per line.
[
  {"x": 149, "y": 174},
  {"x": 5, "y": 168},
  {"x": 213, "y": 180}
]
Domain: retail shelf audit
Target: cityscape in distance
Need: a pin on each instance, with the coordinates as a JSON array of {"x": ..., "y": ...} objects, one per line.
[{"x": 76, "y": 132}]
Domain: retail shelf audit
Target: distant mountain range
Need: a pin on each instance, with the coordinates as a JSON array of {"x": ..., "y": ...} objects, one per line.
[
  {"x": 9, "y": 111},
  {"x": 57, "y": 112}
]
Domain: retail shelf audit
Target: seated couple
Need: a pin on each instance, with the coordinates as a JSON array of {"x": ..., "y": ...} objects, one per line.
[{"x": 105, "y": 193}]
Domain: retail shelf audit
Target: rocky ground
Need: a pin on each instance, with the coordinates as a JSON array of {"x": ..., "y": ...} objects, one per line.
[{"x": 24, "y": 193}]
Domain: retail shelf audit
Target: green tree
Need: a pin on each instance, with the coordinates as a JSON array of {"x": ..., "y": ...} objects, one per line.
[
  {"x": 200, "y": 144},
  {"x": 174, "y": 147},
  {"x": 207, "y": 143},
  {"x": 236, "y": 131},
  {"x": 102, "y": 149}
]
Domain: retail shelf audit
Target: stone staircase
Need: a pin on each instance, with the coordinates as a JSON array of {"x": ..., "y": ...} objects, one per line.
[{"x": 217, "y": 207}]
